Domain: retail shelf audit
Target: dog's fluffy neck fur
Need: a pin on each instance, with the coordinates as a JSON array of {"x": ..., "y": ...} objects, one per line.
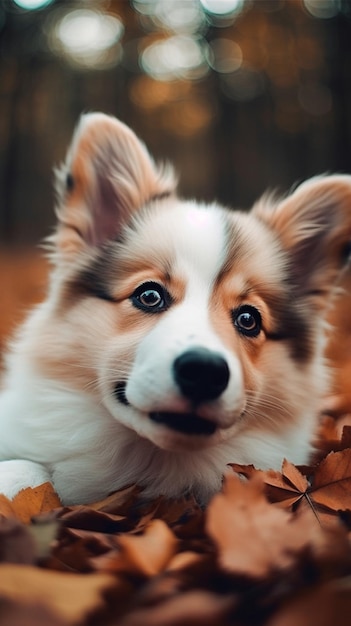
[{"x": 120, "y": 225}]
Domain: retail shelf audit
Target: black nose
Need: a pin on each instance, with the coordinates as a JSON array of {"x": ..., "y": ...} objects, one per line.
[{"x": 201, "y": 374}]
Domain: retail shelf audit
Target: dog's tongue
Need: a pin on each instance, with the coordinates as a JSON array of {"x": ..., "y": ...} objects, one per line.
[{"x": 186, "y": 423}]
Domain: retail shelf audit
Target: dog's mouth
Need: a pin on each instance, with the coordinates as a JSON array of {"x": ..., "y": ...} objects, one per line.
[{"x": 186, "y": 423}]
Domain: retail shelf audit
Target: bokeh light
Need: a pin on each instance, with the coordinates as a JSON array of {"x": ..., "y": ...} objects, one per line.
[
  {"x": 87, "y": 38},
  {"x": 176, "y": 57},
  {"x": 183, "y": 16},
  {"x": 145, "y": 7},
  {"x": 222, "y": 7},
  {"x": 32, "y": 5},
  {"x": 324, "y": 9},
  {"x": 245, "y": 81}
]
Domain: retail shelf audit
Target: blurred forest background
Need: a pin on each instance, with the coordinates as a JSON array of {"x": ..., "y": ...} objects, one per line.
[{"x": 240, "y": 94}]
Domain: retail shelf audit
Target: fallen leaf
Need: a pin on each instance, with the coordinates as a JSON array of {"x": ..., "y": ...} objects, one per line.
[
  {"x": 332, "y": 481},
  {"x": 30, "y": 502},
  {"x": 6, "y": 507},
  {"x": 72, "y": 597},
  {"x": 254, "y": 538},
  {"x": 287, "y": 487},
  {"x": 118, "y": 502},
  {"x": 86, "y": 518},
  {"x": 248, "y": 471},
  {"x": 245, "y": 559},
  {"x": 149, "y": 553},
  {"x": 329, "y": 486},
  {"x": 294, "y": 476},
  {"x": 77, "y": 548}
]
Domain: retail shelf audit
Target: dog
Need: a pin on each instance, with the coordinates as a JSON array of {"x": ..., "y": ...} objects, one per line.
[{"x": 176, "y": 337}]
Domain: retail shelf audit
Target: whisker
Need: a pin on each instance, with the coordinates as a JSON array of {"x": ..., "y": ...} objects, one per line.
[
  {"x": 261, "y": 403},
  {"x": 116, "y": 371}
]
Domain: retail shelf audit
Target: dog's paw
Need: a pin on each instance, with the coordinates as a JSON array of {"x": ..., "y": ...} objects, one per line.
[{"x": 19, "y": 474}]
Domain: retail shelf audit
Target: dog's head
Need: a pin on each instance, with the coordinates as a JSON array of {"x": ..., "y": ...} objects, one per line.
[{"x": 189, "y": 323}]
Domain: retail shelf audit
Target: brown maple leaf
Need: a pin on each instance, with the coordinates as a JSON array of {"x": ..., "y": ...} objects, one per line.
[
  {"x": 285, "y": 488},
  {"x": 332, "y": 481},
  {"x": 326, "y": 492},
  {"x": 254, "y": 538}
]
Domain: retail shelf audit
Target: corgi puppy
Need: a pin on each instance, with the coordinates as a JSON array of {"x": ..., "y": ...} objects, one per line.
[{"x": 176, "y": 337}]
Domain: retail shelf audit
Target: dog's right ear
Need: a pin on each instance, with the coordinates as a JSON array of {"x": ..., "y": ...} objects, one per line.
[
  {"x": 313, "y": 225},
  {"x": 108, "y": 175}
]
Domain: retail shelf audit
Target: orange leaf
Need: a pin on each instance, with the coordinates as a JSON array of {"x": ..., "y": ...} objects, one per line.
[
  {"x": 253, "y": 537},
  {"x": 36, "y": 500},
  {"x": 294, "y": 476},
  {"x": 332, "y": 481},
  {"x": 71, "y": 596},
  {"x": 6, "y": 507},
  {"x": 245, "y": 470},
  {"x": 30, "y": 502},
  {"x": 285, "y": 488},
  {"x": 150, "y": 552}
]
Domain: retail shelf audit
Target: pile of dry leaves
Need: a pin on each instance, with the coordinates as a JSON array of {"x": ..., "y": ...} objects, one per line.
[{"x": 272, "y": 550}]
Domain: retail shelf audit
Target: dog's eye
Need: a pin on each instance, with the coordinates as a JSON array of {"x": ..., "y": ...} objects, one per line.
[
  {"x": 247, "y": 320},
  {"x": 151, "y": 297}
]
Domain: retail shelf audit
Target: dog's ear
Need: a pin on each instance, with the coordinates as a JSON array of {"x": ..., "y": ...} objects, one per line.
[
  {"x": 108, "y": 175},
  {"x": 314, "y": 227}
]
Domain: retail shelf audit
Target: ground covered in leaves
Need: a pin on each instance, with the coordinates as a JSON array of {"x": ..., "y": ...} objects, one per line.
[{"x": 272, "y": 550}]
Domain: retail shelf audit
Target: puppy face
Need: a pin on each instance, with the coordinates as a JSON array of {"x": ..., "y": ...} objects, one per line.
[
  {"x": 170, "y": 325},
  {"x": 198, "y": 324},
  {"x": 190, "y": 324}
]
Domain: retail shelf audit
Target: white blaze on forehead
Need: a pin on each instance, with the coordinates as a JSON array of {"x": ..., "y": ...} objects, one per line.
[{"x": 196, "y": 239}]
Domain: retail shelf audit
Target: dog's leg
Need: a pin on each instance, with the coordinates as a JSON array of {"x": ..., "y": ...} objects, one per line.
[{"x": 19, "y": 474}]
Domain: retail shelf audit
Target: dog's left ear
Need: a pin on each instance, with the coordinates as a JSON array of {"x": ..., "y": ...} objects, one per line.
[
  {"x": 108, "y": 175},
  {"x": 314, "y": 227}
]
